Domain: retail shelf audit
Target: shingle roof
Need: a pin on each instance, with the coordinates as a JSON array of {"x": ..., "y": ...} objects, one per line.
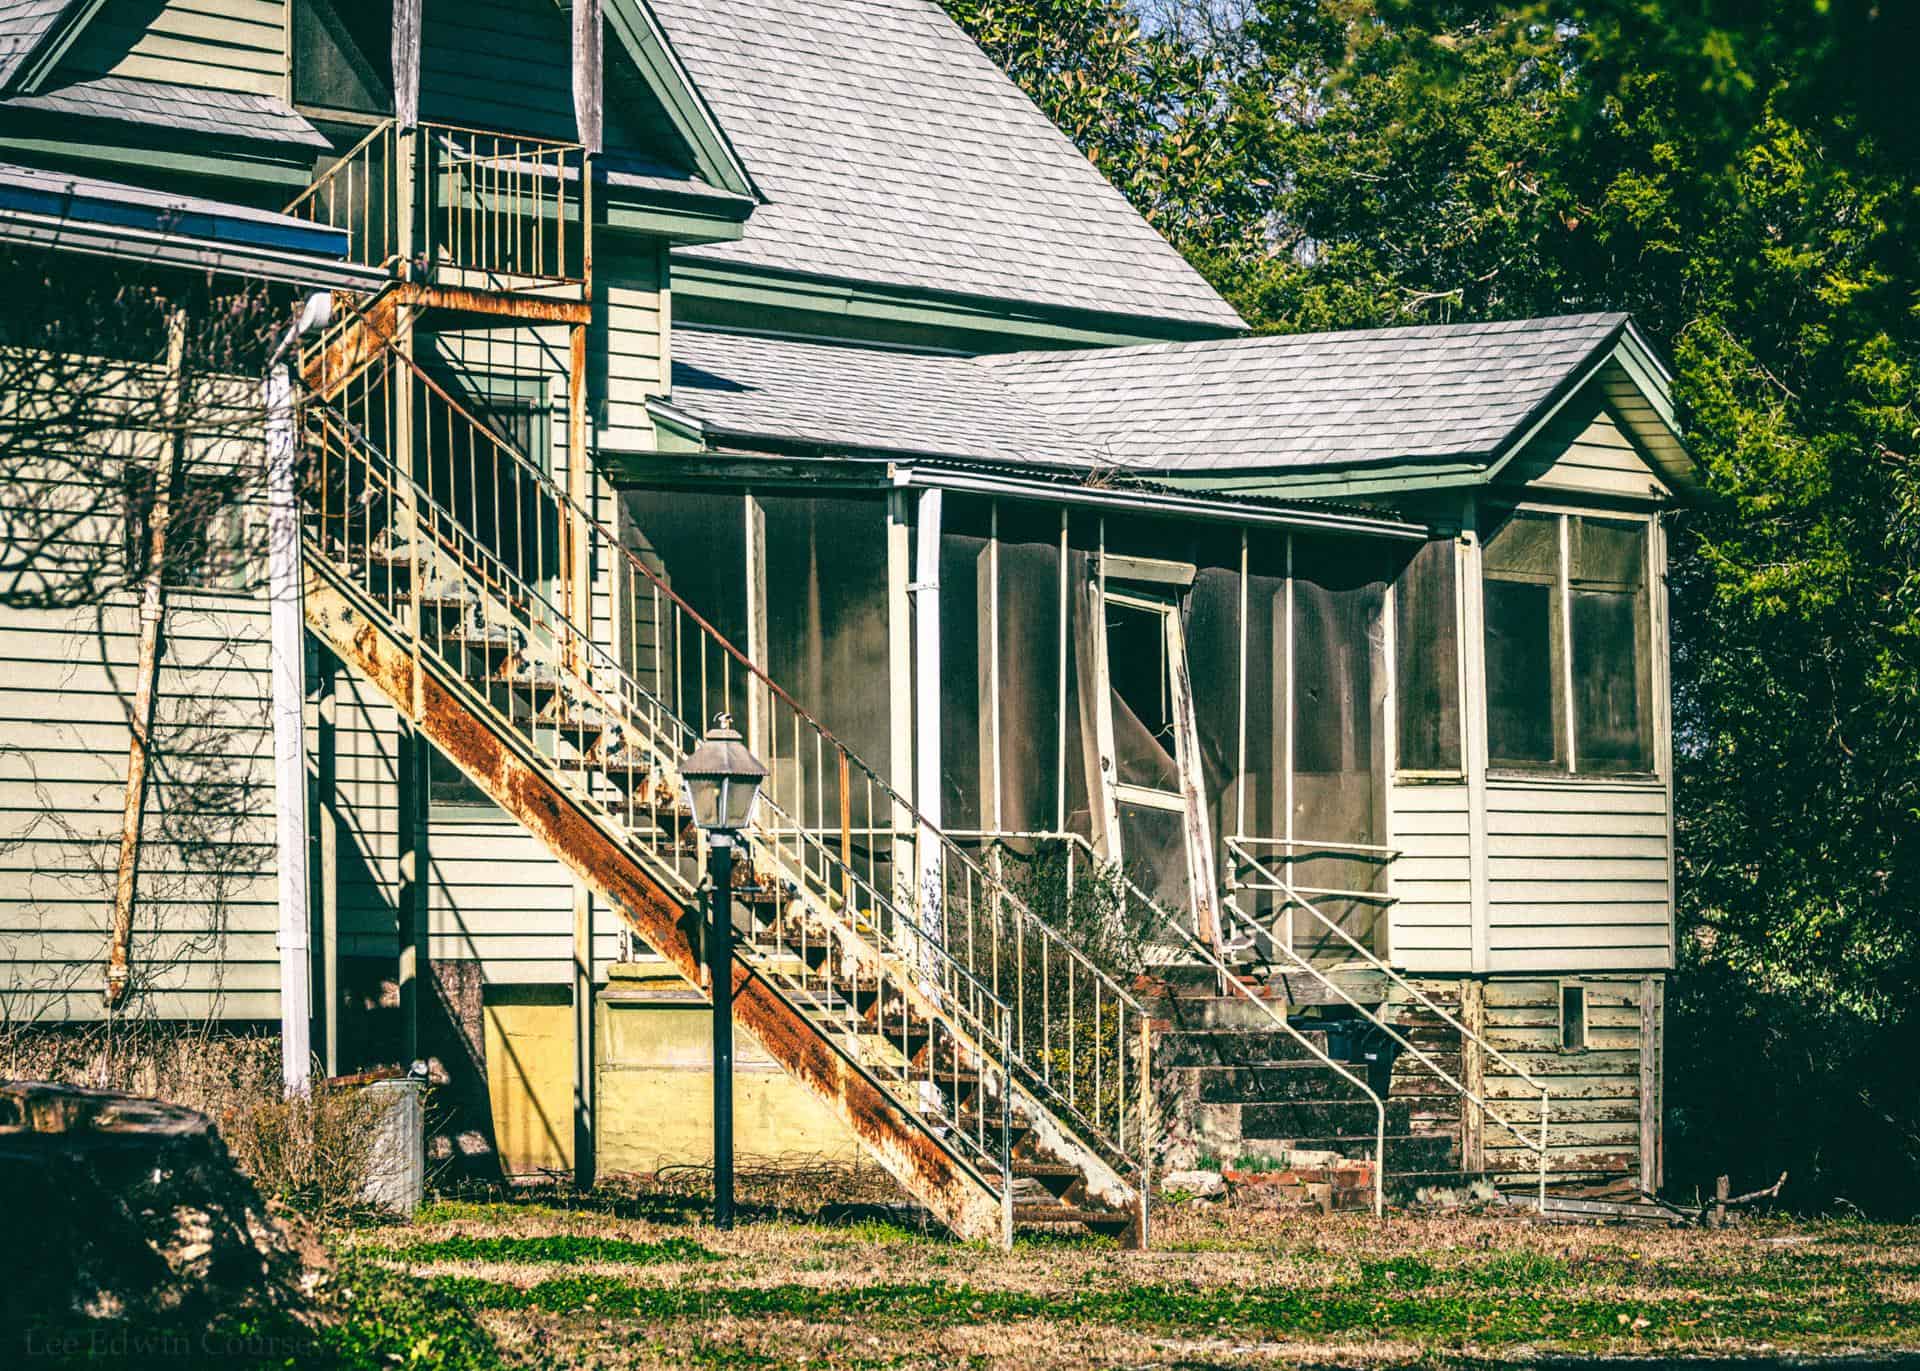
[
  {"x": 1311, "y": 399},
  {"x": 223, "y": 113},
  {"x": 62, "y": 194},
  {"x": 23, "y": 23},
  {"x": 1323, "y": 400},
  {"x": 785, "y": 391},
  {"x": 893, "y": 151}
]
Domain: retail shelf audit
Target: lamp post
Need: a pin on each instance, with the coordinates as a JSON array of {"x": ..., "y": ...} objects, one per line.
[{"x": 723, "y": 783}]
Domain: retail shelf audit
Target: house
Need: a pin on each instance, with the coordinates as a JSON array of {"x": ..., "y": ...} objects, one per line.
[{"x": 1180, "y": 743}]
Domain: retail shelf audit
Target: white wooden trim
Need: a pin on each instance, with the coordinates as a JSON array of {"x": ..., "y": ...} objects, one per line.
[{"x": 1469, "y": 596}]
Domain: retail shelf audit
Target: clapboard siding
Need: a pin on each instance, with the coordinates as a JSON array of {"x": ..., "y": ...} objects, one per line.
[
  {"x": 1431, "y": 919},
  {"x": 498, "y": 64},
  {"x": 1585, "y": 451},
  {"x": 1577, "y": 877},
  {"x": 205, "y": 921},
  {"x": 237, "y": 45}
]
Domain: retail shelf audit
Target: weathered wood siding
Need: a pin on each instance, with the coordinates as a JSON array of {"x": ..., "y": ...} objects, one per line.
[
  {"x": 1578, "y": 877},
  {"x": 1431, "y": 920},
  {"x": 498, "y": 64},
  {"x": 1595, "y": 1118},
  {"x": 236, "y": 45}
]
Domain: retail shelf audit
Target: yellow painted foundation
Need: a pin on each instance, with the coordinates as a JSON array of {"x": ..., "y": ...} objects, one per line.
[
  {"x": 530, "y": 1076},
  {"x": 656, "y": 1086}
]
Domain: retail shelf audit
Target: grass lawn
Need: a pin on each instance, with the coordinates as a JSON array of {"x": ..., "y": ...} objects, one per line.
[{"x": 641, "y": 1286}]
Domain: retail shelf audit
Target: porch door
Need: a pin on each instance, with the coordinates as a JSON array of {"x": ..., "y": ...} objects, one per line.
[{"x": 1154, "y": 811}]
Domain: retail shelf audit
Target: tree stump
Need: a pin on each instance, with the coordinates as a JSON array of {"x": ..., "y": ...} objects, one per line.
[{"x": 129, "y": 1209}]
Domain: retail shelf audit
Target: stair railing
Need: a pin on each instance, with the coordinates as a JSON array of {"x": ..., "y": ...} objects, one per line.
[
  {"x": 360, "y": 194},
  {"x": 1080, "y": 1038},
  {"x": 364, "y": 520},
  {"x": 1251, "y": 929},
  {"x": 1165, "y": 920}
]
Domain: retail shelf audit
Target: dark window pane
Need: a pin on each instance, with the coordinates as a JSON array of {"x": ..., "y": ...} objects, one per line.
[
  {"x": 1427, "y": 661},
  {"x": 1611, "y": 680},
  {"x": 1522, "y": 702},
  {"x": 695, "y": 541},
  {"x": 1573, "y": 1018},
  {"x": 1525, "y": 651}
]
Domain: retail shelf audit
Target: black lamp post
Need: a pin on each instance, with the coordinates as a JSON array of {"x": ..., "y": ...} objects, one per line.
[{"x": 723, "y": 782}]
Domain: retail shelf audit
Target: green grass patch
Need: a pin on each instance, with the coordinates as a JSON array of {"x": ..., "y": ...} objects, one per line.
[
  {"x": 560, "y": 1249},
  {"x": 1479, "y": 1317}
]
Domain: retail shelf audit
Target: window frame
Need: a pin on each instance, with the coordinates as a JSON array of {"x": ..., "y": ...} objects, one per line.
[{"x": 1569, "y": 770}]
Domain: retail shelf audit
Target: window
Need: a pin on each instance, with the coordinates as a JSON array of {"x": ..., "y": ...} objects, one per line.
[
  {"x": 1573, "y": 1017},
  {"x": 1427, "y": 661},
  {"x": 1559, "y": 587},
  {"x": 209, "y": 529}
]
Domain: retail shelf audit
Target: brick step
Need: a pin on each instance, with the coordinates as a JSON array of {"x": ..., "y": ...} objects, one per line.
[
  {"x": 1267, "y": 1083},
  {"x": 1321, "y": 1119},
  {"x": 1178, "y": 1048}
]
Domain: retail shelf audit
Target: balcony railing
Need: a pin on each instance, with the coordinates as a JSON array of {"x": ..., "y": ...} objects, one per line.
[{"x": 456, "y": 206}]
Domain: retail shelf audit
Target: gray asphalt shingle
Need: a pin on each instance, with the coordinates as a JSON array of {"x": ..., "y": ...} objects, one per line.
[
  {"x": 893, "y": 151},
  {"x": 223, "y": 113},
  {"x": 1329, "y": 400},
  {"x": 23, "y": 23}
]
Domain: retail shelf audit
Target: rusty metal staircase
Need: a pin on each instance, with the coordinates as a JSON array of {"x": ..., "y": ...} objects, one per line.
[{"x": 1002, "y": 1085}]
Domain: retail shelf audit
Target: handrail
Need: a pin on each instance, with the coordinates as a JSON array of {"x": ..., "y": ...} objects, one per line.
[
  {"x": 980, "y": 1019},
  {"x": 1296, "y": 897},
  {"x": 1229, "y": 977},
  {"x": 1050, "y": 1045}
]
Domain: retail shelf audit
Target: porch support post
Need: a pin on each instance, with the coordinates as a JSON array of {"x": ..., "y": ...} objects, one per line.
[
  {"x": 1473, "y": 728},
  {"x": 899, "y": 683},
  {"x": 288, "y": 639},
  {"x": 584, "y": 1120},
  {"x": 926, "y": 713}
]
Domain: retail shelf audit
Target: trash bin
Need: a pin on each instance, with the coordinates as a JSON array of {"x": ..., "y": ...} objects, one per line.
[{"x": 397, "y": 1173}]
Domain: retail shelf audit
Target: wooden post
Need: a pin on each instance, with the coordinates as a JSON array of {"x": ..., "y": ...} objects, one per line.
[
  {"x": 1649, "y": 1086},
  {"x": 412, "y": 904},
  {"x": 1473, "y": 730},
  {"x": 406, "y": 63},
  {"x": 152, "y": 611},
  {"x": 1473, "y": 1066}
]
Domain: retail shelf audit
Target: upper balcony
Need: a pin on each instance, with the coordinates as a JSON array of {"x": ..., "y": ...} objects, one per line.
[{"x": 462, "y": 208}]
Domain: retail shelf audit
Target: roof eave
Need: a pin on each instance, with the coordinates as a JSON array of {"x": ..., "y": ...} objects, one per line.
[
  {"x": 171, "y": 250},
  {"x": 638, "y": 31}
]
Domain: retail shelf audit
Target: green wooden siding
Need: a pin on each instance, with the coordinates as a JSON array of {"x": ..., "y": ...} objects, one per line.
[
  {"x": 1585, "y": 452},
  {"x": 237, "y": 45},
  {"x": 1431, "y": 920}
]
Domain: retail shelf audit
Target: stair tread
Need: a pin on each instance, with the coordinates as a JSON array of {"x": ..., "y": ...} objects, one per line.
[{"x": 1066, "y": 1213}]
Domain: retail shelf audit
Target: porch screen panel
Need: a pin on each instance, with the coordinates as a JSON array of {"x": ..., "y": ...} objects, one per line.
[
  {"x": 1339, "y": 694},
  {"x": 826, "y": 588},
  {"x": 1030, "y": 664},
  {"x": 965, "y": 722},
  {"x": 1526, "y": 692},
  {"x": 1611, "y": 623},
  {"x": 696, "y": 541},
  {"x": 1082, "y": 753},
  {"x": 1142, "y": 686},
  {"x": 1427, "y": 661},
  {"x": 1262, "y": 788}
]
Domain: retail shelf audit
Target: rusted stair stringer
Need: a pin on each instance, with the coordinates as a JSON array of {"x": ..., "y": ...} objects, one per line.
[{"x": 941, "y": 1181}]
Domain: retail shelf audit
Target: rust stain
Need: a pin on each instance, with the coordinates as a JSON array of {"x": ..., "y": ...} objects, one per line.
[{"x": 507, "y": 304}]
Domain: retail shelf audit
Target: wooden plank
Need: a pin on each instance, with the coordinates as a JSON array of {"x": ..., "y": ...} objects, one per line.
[
  {"x": 1650, "y": 958},
  {"x": 1649, "y": 1104}
]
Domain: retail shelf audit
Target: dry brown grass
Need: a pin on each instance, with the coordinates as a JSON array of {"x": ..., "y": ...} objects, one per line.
[{"x": 1450, "y": 1289}]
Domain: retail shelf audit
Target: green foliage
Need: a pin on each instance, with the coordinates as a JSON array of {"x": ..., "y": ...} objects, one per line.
[
  {"x": 1741, "y": 178},
  {"x": 566, "y": 1249}
]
